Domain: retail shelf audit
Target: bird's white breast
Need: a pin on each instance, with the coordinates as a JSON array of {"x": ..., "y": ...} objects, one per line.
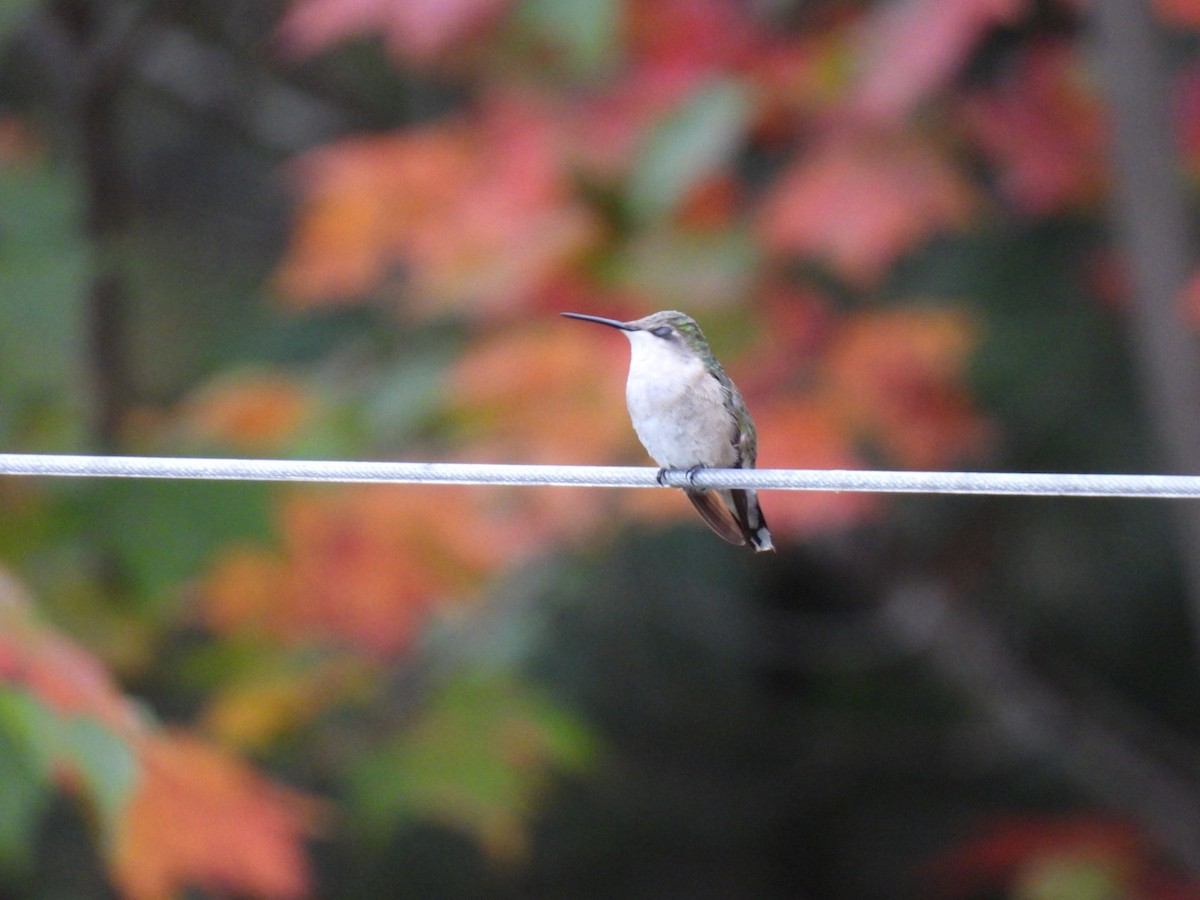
[{"x": 677, "y": 407}]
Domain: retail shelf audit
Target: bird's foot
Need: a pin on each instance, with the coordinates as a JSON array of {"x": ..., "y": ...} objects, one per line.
[{"x": 661, "y": 477}]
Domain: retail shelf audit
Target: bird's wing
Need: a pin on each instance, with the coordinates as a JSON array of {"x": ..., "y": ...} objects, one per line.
[
  {"x": 717, "y": 516},
  {"x": 743, "y": 436}
]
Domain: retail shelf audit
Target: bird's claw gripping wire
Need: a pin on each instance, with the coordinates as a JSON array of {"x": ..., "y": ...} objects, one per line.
[{"x": 661, "y": 477}]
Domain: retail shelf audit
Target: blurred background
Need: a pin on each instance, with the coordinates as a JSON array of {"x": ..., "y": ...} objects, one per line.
[{"x": 918, "y": 234}]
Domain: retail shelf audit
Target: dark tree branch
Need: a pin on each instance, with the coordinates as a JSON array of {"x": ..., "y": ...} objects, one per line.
[
  {"x": 1150, "y": 220},
  {"x": 1105, "y": 759},
  {"x": 1105, "y": 751},
  {"x": 95, "y": 44}
]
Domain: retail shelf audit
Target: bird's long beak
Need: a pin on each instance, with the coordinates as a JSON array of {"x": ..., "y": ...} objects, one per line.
[{"x": 612, "y": 323}]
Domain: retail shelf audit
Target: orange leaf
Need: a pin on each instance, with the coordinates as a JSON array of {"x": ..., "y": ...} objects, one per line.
[
  {"x": 250, "y": 412},
  {"x": 196, "y": 817},
  {"x": 420, "y": 30},
  {"x": 350, "y": 571},
  {"x": 202, "y": 818},
  {"x": 897, "y": 375},
  {"x": 475, "y": 212},
  {"x": 243, "y": 590},
  {"x": 860, "y": 201},
  {"x": 363, "y": 199},
  {"x": 807, "y": 433},
  {"x": 368, "y": 565},
  {"x": 551, "y": 392}
]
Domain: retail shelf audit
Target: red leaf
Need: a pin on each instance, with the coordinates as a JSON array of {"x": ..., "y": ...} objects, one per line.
[
  {"x": 1186, "y": 102},
  {"x": 914, "y": 47},
  {"x": 689, "y": 35},
  {"x": 1011, "y": 853},
  {"x": 57, "y": 671},
  {"x": 610, "y": 127},
  {"x": 860, "y": 201},
  {"x": 1043, "y": 132},
  {"x": 1190, "y": 299},
  {"x": 1182, "y": 13},
  {"x": 800, "y": 79}
]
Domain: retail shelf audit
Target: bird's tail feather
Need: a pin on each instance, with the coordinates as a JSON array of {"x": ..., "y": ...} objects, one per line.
[{"x": 751, "y": 520}]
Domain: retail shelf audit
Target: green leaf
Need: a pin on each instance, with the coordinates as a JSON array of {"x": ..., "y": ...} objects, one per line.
[
  {"x": 585, "y": 33},
  {"x": 22, "y": 798},
  {"x": 1072, "y": 878},
  {"x": 42, "y": 271},
  {"x": 33, "y": 739},
  {"x": 162, "y": 532},
  {"x": 694, "y": 141},
  {"x": 404, "y": 394},
  {"x": 26, "y": 755},
  {"x": 478, "y": 760},
  {"x": 688, "y": 270},
  {"x": 31, "y": 727},
  {"x": 106, "y": 762}
]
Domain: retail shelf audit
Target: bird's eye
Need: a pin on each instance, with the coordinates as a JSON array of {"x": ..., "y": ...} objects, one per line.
[{"x": 662, "y": 331}]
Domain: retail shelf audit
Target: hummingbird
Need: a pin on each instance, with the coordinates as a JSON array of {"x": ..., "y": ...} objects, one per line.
[{"x": 689, "y": 415}]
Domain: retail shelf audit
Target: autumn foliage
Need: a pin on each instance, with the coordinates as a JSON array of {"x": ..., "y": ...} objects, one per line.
[
  {"x": 800, "y": 177},
  {"x": 175, "y": 810}
]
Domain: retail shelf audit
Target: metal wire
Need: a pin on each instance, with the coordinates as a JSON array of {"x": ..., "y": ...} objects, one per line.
[{"x": 1046, "y": 484}]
